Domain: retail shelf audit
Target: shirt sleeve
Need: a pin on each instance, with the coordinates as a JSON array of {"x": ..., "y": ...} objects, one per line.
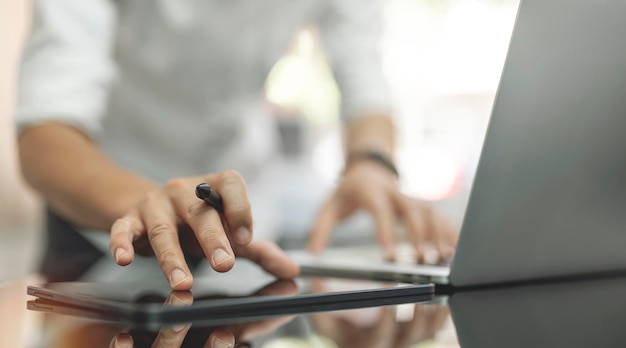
[
  {"x": 351, "y": 32},
  {"x": 66, "y": 67}
]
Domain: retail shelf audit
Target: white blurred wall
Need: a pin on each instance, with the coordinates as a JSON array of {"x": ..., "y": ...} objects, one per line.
[{"x": 20, "y": 216}]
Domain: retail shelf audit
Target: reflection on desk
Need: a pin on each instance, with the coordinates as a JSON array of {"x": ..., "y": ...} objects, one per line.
[
  {"x": 330, "y": 329},
  {"x": 584, "y": 313},
  {"x": 589, "y": 313}
]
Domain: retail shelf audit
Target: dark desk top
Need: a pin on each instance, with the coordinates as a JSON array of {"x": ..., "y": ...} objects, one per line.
[{"x": 589, "y": 313}]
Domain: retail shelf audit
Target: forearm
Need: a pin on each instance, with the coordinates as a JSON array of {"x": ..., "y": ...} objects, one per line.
[
  {"x": 375, "y": 132},
  {"x": 77, "y": 179}
]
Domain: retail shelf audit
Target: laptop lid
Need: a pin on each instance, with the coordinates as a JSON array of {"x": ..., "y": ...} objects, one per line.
[{"x": 550, "y": 190}]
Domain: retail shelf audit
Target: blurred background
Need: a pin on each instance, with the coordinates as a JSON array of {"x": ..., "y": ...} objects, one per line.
[
  {"x": 442, "y": 59},
  {"x": 19, "y": 208}
]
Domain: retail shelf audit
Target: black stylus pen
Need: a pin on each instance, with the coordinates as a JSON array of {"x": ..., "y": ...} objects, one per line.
[{"x": 210, "y": 197}]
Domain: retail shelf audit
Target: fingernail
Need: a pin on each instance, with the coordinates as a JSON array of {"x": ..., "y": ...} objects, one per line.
[
  {"x": 119, "y": 253},
  {"x": 177, "y": 300},
  {"x": 220, "y": 256},
  {"x": 217, "y": 343},
  {"x": 177, "y": 276},
  {"x": 243, "y": 235},
  {"x": 121, "y": 344},
  {"x": 174, "y": 300},
  {"x": 180, "y": 327}
]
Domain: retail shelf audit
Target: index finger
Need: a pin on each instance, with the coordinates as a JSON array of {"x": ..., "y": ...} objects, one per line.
[
  {"x": 320, "y": 234},
  {"x": 162, "y": 233},
  {"x": 384, "y": 218},
  {"x": 418, "y": 220}
]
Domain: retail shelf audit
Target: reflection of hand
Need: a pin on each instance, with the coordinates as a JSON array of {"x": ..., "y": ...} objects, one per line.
[
  {"x": 370, "y": 186},
  {"x": 225, "y": 336},
  {"x": 386, "y": 331},
  {"x": 171, "y": 214},
  {"x": 348, "y": 329}
]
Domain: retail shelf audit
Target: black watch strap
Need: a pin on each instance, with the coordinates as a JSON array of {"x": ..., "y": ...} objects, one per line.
[{"x": 372, "y": 155}]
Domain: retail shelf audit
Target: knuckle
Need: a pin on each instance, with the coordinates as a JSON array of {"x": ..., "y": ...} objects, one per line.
[
  {"x": 159, "y": 230},
  {"x": 176, "y": 184},
  {"x": 149, "y": 199},
  {"x": 418, "y": 235},
  {"x": 238, "y": 212},
  {"x": 195, "y": 209},
  {"x": 210, "y": 236},
  {"x": 167, "y": 258},
  {"x": 230, "y": 177},
  {"x": 422, "y": 206},
  {"x": 145, "y": 200},
  {"x": 117, "y": 225},
  {"x": 231, "y": 173}
]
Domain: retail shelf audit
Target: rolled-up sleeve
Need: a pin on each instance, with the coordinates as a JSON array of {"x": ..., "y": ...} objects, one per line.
[
  {"x": 67, "y": 68},
  {"x": 351, "y": 32}
]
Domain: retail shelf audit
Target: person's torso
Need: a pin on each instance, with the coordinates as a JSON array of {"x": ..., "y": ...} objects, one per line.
[{"x": 189, "y": 94}]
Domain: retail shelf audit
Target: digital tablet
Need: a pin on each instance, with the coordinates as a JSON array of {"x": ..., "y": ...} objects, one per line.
[{"x": 217, "y": 300}]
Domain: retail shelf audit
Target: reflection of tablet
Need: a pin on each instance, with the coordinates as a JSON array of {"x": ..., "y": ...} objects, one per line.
[{"x": 142, "y": 304}]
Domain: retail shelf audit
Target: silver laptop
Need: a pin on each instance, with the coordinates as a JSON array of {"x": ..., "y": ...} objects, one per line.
[{"x": 549, "y": 196}]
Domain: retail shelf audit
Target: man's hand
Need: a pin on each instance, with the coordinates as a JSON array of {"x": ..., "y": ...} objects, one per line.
[
  {"x": 370, "y": 186},
  {"x": 164, "y": 213}
]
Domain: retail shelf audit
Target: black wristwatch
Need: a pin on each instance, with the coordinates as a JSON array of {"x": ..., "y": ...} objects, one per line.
[{"x": 372, "y": 155}]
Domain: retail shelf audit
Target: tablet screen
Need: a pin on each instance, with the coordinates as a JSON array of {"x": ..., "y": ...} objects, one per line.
[{"x": 219, "y": 298}]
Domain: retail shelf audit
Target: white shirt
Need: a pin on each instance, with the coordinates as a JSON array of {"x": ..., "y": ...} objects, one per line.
[{"x": 175, "y": 87}]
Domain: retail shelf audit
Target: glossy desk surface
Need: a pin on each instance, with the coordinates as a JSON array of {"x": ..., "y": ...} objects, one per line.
[{"x": 582, "y": 313}]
